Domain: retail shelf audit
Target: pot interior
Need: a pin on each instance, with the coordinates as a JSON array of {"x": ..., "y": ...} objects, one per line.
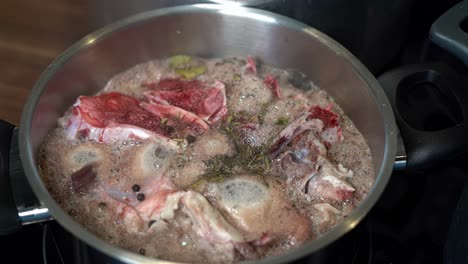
[{"x": 207, "y": 31}]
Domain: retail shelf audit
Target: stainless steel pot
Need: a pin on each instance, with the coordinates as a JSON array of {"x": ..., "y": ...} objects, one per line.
[
  {"x": 209, "y": 31},
  {"x": 373, "y": 30}
]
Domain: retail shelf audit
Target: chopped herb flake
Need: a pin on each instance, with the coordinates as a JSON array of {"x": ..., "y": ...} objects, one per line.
[
  {"x": 191, "y": 72},
  {"x": 179, "y": 60},
  {"x": 282, "y": 121}
]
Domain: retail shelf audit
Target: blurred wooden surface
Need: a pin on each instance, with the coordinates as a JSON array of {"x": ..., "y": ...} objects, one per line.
[{"x": 32, "y": 34}]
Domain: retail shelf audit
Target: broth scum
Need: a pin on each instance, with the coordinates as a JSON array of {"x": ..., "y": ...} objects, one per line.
[{"x": 207, "y": 160}]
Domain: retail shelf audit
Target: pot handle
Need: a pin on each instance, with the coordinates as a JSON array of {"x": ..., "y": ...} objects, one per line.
[
  {"x": 18, "y": 204},
  {"x": 429, "y": 148},
  {"x": 450, "y": 31},
  {"x": 9, "y": 220},
  {"x": 425, "y": 145}
]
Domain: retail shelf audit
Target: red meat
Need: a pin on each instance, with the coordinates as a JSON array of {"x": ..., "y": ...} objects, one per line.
[
  {"x": 206, "y": 101},
  {"x": 272, "y": 84},
  {"x": 183, "y": 122},
  {"x": 102, "y": 110},
  {"x": 251, "y": 65},
  {"x": 328, "y": 118}
]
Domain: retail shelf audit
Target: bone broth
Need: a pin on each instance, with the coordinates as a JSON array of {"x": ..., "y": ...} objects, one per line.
[{"x": 207, "y": 160}]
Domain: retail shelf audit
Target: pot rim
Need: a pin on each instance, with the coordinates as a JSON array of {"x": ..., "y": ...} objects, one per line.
[{"x": 382, "y": 176}]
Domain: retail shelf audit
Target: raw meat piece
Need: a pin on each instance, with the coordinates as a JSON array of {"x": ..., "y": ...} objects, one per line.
[
  {"x": 222, "y": 110},
  {"x": 76, "y": 127},
  {"x": 328, "y": 118},
  {"x": 272, "y": 83},
  {"x": 208, "y": 222},
  {"x": 206, "y": 101},
  {"x": 307, "y": 148},
  {"x": 329, "y": 183},
  {"x": 102, "y": 110},
  {"x": 332, "y": 132},
  {"x": 83, "y": 179},
  {"x": 111, "y": 117},
  {"x": 179, "y": 119},
  {"x": 318, "y": 120},
  {"x": 311, "y": 172},
  {"x": 294, "y": 129},
  {"x": 124, "y": 212},
  {"x": 251, "y": 66},
  {"x": 161, "y": 199}
]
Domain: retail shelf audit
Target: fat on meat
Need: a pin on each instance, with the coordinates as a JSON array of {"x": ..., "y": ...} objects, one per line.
[
  {"x": 207, "y": 101},
  {"x": 111, "y": 117},
  {"x": 181, "y": 120},
  {"x": 330, "y": 183}
]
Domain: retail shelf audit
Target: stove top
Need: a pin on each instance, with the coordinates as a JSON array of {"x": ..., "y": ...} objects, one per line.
[
  {"x": 411, "y": 223},
  {"x": 420, "y": 218}
]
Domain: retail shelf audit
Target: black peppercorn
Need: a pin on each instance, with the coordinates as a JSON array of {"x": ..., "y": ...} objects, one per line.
[
  {"x": 191, "y": 139},
  {"x": 150, "y": 223},
  {"x": 140, "y": 197},
  {"x": 136, "y": 188},
  {"x": 142, "y": 251}
]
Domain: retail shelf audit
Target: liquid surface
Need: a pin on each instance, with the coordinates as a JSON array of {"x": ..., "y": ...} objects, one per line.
[{"x": 207, "y": 160}]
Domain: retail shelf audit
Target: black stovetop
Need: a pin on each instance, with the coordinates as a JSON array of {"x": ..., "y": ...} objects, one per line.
[
  {"x": 419, "y": 218},
  {"x": 410, "y": 223}
]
